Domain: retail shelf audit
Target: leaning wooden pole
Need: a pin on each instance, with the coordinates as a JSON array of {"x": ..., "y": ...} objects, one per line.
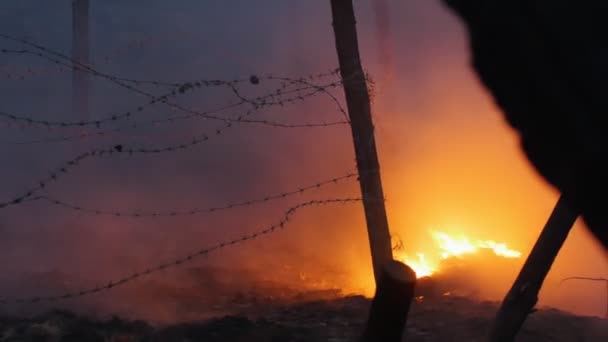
[
  {"x": 359, "y": 110},
  {"x": 80, "y": 56},
  {"x": 522, "y": 297}
]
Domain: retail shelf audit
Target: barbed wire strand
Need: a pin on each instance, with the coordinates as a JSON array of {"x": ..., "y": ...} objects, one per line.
[
  {"x": 184, "y": 259},
  {"x": 78, "y": 66},
  {"x": 184, "y": 86},
  {"x": 583, "y": 278},
  {"x": 196, "y": 211},
  {"x": 324, "y": 90},
  {"x": 101, "y": 121},
  {"x": 119, "y": 149},
  {"x": 173, "y": 119},
  {"x": 261, "y": 101},
  {"x": 75, "y": 65},
  {"x": 115, "y": 149}
]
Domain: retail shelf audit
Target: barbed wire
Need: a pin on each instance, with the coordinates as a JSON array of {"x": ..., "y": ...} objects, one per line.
[
  {"x": 73, "y": 65},
  {"x": 268, "y": 100},
  {"x": 69, "y": 63},
  {"x": 289, "y": 100},
  {"x": 195, "y": 211},
  {"x": 275, "y": 98},
  {"x": 115, "y": 149},
  {"x": 321, "y": 89},
  {"x": 583, "y": 278},
  {"x": 99, "y": 122},
  {"x": 261, "y": 102},
  {"x": 79, "y": 66},
  {"x": 183, "y": 259},
  {"x": 53, "y": 176},
  {"x": 182, "y": 87}
]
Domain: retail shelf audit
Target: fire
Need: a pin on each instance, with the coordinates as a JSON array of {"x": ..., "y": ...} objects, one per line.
[
  {"x": 450, "y": 247},
  {"x": 420, "y": 266}
]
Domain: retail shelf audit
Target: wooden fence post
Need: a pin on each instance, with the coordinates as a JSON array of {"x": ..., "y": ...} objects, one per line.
[
  {"x": 359, "y": 110},
  {"x": 391, "y": 304},
  {"x": 523, "y": 295}
]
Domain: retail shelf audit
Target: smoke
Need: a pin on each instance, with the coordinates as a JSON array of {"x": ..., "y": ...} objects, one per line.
[
  {"x": 384, "y": 38},
  {"x": 448, "y": 159}
]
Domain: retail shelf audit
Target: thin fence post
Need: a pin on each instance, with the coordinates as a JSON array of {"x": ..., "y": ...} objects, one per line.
[
  {"x": 523, "y": 295},
  {"x": 359, "y": 109}
]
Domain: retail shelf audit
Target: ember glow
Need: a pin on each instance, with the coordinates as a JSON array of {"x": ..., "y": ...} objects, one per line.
[
  {"x": 419, "y": 265},
  {"x": 450, "y": 247}
]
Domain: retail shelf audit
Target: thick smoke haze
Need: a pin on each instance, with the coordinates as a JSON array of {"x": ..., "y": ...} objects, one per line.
[{"x": 449, "y": 160}]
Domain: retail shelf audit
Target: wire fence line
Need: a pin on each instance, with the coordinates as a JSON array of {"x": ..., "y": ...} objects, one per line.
[
  {"x": 64, "y": 60},
  {"x": 116, "y": 149},
  {"x": 180, "y": 87},
  {"x": 273, "y": 99},
  {"x": 289, "y": 91},
  {"x": 126, "y": 149},
  {"x": 584, "y": 278},
  {"x": 186, "y": 258},
  {"x": 69, "y": 63},
  {"x": 173, "y": 119},
  {"x": 196, "y": 211}
]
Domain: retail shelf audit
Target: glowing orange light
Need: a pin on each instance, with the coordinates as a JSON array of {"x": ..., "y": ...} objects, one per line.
[
  {"x": 419, "y": 265},
  {"x": 500, "y": 249},
  {"x": 450, "y": 247},
  {"x": 453, "y": 247}
]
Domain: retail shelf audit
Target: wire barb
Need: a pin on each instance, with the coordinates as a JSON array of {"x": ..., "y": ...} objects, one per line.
[
  {"x": 195, "y": 211},
  {"x": 183, "y": 259}
]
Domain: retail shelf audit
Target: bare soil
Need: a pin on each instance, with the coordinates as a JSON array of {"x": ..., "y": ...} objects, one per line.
[{"x": 445, "y": 318}]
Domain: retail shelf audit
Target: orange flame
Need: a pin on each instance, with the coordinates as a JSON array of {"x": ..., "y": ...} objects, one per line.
[
  {"x": 420, "y": 265},
  {"x": 449, "y": 247}
]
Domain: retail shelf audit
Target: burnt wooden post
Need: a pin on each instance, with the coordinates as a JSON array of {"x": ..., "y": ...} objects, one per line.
[
  {"x": 391, "y": 304},
  {"x": 395, "y": 281},
  {"x": 359, "y": 110},
  {"x": 522, "y": 297}
]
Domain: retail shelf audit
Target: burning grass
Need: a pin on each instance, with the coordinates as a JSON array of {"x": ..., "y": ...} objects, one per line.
[{"x": 450, "y": 249}]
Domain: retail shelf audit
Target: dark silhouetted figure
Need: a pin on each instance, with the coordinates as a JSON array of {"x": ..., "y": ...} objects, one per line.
[{"x": 546, "y": 64}]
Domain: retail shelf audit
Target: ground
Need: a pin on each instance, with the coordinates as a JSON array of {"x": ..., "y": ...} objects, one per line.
[{"x": 341, "y": 318}]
